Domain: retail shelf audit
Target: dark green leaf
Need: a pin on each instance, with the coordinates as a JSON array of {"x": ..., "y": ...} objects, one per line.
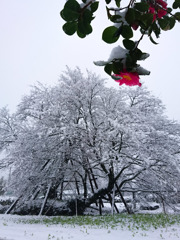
[
  {"x": 108, "y": 1},
  {"x": 152, "y": 40},
  {"x": 169, "y": 9},
  {"x": 177, "y": 16},
  {"x": 70, "y": 28},
  {"x": 71, "y": 10},
  {"x": 127, "y": 32},
  {"x": 130, "y": 16},
  {"x": 108, "y": 69},
  {"x": 116, "y": 77},
  {"x": 118, "y": 3},
  {"x": 166, "y": 23},
  {"x": 130, "y": 62},
  {"x": 94, "y": 6},
  {"x": 117, "y": 67},
  {"x": 176, "y": 4},
  {"x": 115, "y": 18},
  {"x": 61, "y": 14},
  {"x": 171, "y": 22},
  {"x": 109, "y": 34},
  {"x": 87, "y": 16},
  {"x": 163, "y": 23},
  {"x": 147, "y": 19},
  {"x": 137, "y": 15},
  {"x": 84, "y": 27},
  {"x": 128, "y": 44},
  {"x": 80, "y": 34},
  {"x": 155, "y": 28},
  {"x": 142, "y": 6},
  {"x": 136, "y": 54},
  {"x": 118, "y": 32}
]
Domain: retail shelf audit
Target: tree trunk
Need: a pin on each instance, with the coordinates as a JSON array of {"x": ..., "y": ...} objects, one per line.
[
  {"x": 123, "y": 200},
  {"x": 45, "y": 200},
  {"x": 12, "y": 205}
]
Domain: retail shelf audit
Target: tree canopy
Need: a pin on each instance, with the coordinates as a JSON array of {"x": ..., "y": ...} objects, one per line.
[{"x": 84, "y": 138}]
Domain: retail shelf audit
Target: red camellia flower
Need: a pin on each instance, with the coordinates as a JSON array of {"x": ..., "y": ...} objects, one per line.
[
  {"x": 161, "y": 9},
  {"x": 162, "y": 3},
  {"x": 128, "y": 78},
  {"x": 158, "y": 10},
  {"x": 152, "y": 10},
  {"x": 161, "y": 13}
]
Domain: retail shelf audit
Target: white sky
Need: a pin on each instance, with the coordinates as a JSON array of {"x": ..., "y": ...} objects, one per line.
[{"x": 34, "y": 48}]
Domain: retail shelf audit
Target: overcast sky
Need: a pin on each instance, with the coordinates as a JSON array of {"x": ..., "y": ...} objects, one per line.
[{"x": 34, "y": 48}]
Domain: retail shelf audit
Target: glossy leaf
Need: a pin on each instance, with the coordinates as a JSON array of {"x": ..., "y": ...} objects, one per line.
[
  {"x": 176, "y": 4},
  {"x": 172, "y": 22},
  {"x": 117, "y": 67},
  {"x": 94, "y": 6},
  {"x": 128, "y": 44},
  {"x": 84, "y": 27},
  {"x": 71, "y": 10},
  {"x": 61, "y": 14},
  {"x": 147, "y": 19},
  {"x": 109, "y": 35},
  {"x": 152, "y": 40},
  {"x": 130, "y": 16},
  {"x": 80, "y": 34},
  {"x": 155, "y": 28},
  {"x": 169, "y": 9},
  {"x": 118, "y": 3},
  {"x": 70, "y": 28},
  {"x": 136, "y": 54},
  {"x": 130, "y": 62},
  {"x": 163, "y": 23},
  {"x": 142, "y": 6},
  {"x": 177, "y": 16},
  {"x": 167, "y": 23},
  {"x": 118, "y": 32},
  {"x": 115, "y": 18},
  {"x": 127, "y": 32},
  {"x": 87, "y": 16},
  {"x": 108, "y": 69}
]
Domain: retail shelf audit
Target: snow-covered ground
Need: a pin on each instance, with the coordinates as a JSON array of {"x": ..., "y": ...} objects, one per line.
[{"x": 12, "y": 229}]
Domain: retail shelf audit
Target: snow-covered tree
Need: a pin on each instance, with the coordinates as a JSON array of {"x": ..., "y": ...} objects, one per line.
[{"x": 90, "y": 139}]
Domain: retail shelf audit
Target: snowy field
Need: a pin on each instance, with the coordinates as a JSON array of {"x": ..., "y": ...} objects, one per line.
[{"x": 14, "y": 227}]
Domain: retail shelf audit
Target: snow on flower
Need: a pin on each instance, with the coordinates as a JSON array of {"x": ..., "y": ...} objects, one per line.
[{"x": 128, "y": 78}]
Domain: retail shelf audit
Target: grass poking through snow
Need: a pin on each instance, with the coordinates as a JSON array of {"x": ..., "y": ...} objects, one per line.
[{"x": 124, "y": 221}]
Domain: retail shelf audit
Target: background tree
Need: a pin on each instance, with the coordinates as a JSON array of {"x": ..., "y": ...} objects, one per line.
[
  {"x": 2, "y": 186},
  {"x": 82, "y": 137}
]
